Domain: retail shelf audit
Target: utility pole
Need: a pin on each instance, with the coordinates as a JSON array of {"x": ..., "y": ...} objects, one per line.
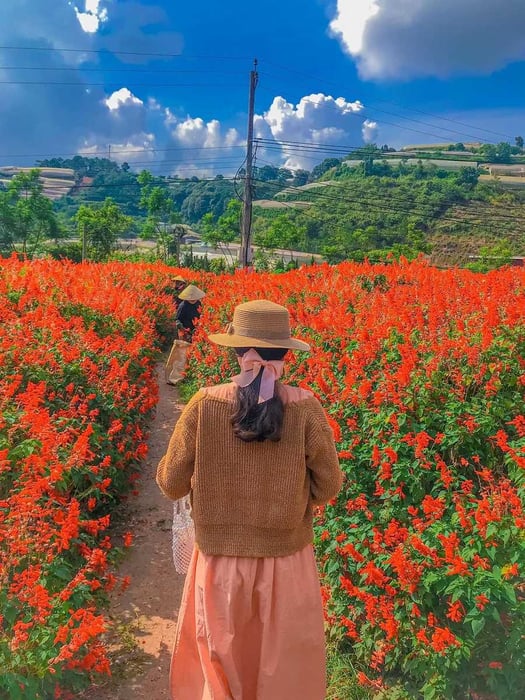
[
  {"x": 245, "y": 251},
  {"x": 84, "y": 242}
]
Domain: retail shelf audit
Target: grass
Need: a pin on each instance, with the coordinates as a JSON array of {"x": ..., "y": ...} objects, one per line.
[
  {"x": 342, "y": 677},
  {"x": 186, "y": 389}
]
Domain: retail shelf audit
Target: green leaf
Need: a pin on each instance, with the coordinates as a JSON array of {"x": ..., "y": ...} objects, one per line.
[
  {"x": 477, "y": 625},
  {"x": 510, "y": 594}
]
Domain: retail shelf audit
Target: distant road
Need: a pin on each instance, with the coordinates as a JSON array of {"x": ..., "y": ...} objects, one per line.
[{"x": 228, "y": 252}]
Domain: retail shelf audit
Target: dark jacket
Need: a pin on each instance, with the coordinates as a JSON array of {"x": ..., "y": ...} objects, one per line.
[{"x": 187, "y": 314}]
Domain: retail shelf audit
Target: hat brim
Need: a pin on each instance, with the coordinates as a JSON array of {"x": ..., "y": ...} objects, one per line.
[
  {"x": 192, "y": 297},
  {"x": 232, "y": 340}
]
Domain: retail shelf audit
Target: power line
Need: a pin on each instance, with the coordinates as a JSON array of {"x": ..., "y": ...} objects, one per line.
[
  {"x": 118, "y": 151},
  {"x": 110, "y": 85},
  {"x": 121, "y": 70},
  {"x": 413, "y": 209},
  {"x": 56, "y": 49},
  {"x": 243, "y": 58},
  {"x": 343, "y": 150},
  {"x": 359, "y": 152},
  {"x": 364, "y": 116},
  {"x": 453, "y": 121},
  {"x": 416, "y": 210},
  {"x": 408, "y": 109},
  {"x": 225, "y": 161},
  {"x": 420, "y": 209},
  {"x": 281, "y": 67}
]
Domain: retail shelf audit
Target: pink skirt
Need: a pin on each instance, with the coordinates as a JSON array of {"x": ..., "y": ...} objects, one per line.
[{"x": 250, "y": 629}]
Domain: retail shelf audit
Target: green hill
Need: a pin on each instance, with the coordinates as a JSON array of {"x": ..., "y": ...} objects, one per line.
[
  {"x": 366, "y": 207},
  {"x": 374, "y": 207}
]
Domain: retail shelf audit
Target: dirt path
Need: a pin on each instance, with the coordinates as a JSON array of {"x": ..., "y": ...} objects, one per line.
[{"x": 143, "y": 617}]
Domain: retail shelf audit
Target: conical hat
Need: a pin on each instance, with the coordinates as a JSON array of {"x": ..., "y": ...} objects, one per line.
[{"x": 191, "y": 293}]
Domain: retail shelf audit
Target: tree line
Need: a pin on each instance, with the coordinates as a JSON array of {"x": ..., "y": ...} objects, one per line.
[{"x": 369, "y": 209}]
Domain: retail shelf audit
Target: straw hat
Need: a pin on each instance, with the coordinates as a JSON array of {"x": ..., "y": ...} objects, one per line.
[
  {"x": 178, "y": 278},
  {"x": 260, "y": 324},
  {"x": 191, "y": 293}
]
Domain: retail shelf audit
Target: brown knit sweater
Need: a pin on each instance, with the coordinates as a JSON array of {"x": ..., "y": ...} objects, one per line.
[{"x": 251, "y": 499}]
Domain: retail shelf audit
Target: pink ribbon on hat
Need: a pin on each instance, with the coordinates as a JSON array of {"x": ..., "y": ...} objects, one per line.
[{"x": 251, "y": 363}]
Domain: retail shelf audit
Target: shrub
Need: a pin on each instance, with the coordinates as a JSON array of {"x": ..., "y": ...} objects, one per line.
[
  {"x": 77, "y": 345},
  {"x": 422, "y": 553}
]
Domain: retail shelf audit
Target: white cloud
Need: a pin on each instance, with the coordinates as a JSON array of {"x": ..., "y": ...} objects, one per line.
[
  {"x": 154, "y": 104},
  {"x": 92, "y": 16},
  {"x": 315, "y": 119},
  {"x": 74, "y": 116},
  {"x": 403, "y": 39},
  {"x": 140, "y": 150},
  {"x": 121, "y": 98},
  {"x": 369, "y": 131},
  {"x": 202, "y": 148},
  {"x": 350, "y": 22},
  {"x": 232, "y": 138}
]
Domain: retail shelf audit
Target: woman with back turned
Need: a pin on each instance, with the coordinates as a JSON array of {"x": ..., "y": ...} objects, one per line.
[{"x": 256, "y": 456}]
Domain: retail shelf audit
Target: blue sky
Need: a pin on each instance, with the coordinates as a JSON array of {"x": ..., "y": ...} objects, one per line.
[{"x": 79, "y": 76}]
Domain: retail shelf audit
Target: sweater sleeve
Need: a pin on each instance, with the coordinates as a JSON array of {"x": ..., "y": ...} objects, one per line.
[
  {"x": 176, "y": 467},
  {"x": 326, "y": 476}
]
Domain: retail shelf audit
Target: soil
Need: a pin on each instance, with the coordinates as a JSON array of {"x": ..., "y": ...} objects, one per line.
[{"x": 143, "y": 617}]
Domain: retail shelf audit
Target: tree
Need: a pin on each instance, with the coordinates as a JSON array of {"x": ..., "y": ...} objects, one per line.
[
  {"x": 158, "y": 203},
  {"x": 300, "y": 177},
  {"x": 226, "y": 229},
  {"x": 504, "y": 152},
  {"x": 368, "y": 165},
  {"x": 196, "y": 200},
  {"x": 500, "y": 153},
  {"x": 178, "y": 230},
  {"x": 27, "y": 218},
  {"x": 468, "y": 177},
  {"x": 284, "y": 175},
  {"x": 101, "y": 227},
  {"x": 282, "y": 233},
  {"x": 493, "y": 256},
  {"x": 267, "y": 173},
  {"x": 519, "y": 142},
  {"x": 323, "y": 167}
]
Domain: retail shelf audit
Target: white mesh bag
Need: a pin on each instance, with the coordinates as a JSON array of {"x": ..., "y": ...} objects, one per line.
[{"x": 183, "y": 531}]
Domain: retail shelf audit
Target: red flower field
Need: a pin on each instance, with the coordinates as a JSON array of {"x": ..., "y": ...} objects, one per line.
[
  {"x": 422, "y": 554},
  {"x": 76, "y": 386},
  {"x": 422, "y": 373}
]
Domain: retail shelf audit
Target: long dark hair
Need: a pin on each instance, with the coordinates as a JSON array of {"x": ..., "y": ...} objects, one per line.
[{"x": 253, "y": 421}]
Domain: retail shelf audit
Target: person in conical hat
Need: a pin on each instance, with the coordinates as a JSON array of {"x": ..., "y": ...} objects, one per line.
[
  {"x": 256, "y": 456},
  {"x": 178, "y": 284},
  {"x": 192, "y": 294},
  {"x": 189, "y": 310}
]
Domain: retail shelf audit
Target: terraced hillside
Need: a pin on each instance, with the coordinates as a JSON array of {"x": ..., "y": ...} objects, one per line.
[
  {"x": 468, "y": 228},
  {"x": 57, "y": 182},
  {"x": 451, "y": 216}
]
